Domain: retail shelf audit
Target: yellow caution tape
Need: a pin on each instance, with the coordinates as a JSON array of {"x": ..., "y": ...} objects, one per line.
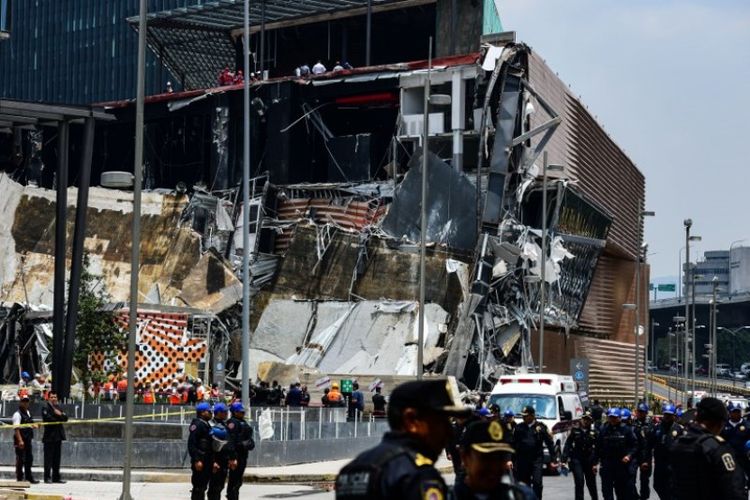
[{"x": 94, "y": 420}]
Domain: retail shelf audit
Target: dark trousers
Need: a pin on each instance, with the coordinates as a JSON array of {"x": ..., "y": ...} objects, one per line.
[
  {"x": 200, "y": 480},
  {"x": 530, "y": 472},
  {"x": 583, "y": 474},
  {"x": 218, "y": 478},
  {"x": 24, "y": 461},
  {"x": 616, "y": 479},
  {"x": 661, "y": 483},
  {"x": 52, "y": 453},
  {"x": 644, "y": 491},
  {"x": 235, "y": 479}
]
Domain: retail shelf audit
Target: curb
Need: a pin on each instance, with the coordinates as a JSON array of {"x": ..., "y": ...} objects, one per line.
[{"x": 184, "y": 477}]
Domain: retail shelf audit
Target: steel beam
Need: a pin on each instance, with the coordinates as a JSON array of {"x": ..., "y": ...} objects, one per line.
[{"x": 58, "y": 310}]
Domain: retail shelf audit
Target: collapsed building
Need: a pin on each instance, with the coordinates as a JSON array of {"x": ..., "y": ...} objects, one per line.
[{"x": 335, "y": 226}]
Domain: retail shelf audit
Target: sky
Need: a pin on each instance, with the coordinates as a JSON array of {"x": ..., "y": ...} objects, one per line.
[{"x": 670, "y": 82}]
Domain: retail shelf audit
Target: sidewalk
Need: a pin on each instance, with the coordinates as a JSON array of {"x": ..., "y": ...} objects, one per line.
[{"x": 302, "y": 473}]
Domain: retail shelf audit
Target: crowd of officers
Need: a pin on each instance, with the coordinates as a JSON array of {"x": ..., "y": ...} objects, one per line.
[{"x": 702, "y": 456}]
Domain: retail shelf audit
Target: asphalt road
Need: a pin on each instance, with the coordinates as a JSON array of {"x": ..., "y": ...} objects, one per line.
[{"x": 555, "y": 488}]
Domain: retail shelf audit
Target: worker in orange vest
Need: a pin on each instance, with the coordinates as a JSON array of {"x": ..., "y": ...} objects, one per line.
[
  {"x": 335, "y": 398},
  {"x": 175, "y": 397},
  {"x": 149, "y": 397}
]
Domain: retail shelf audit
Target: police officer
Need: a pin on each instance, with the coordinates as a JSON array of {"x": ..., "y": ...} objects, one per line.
[
  {"x": 617, "y": 447},
  {"x": 597, "y": 412},
  {"x": 642, "y": 429},
  {"x": 401, "y": 466},
  {"x": 199, "y": 447},
  {"x": 241, "y": 436},
  {"x": 223, "y": 452},
  {"x": 580, "y": 454},
  {"x": 703, "y": 464},
  {"x": 509, "y": 425},
  {"x": 736, "y": 433},
  {"x": 659, "y": 443},
  {"x": 529, "y": 439},
  {"x": 487, "y": 456},
  {"x": 23, "y": 439}
]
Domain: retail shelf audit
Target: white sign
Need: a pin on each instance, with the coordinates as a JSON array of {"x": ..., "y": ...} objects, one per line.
[
  {"x": 322, "y": 383},
  {"x": 375, "y": 383}
]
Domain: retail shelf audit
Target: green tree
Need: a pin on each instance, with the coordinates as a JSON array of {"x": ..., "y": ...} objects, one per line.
[{"x": 96, "y": 330}]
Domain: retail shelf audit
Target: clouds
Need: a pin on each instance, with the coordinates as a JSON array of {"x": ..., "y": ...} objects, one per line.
[{"x": 669, "y": 81}]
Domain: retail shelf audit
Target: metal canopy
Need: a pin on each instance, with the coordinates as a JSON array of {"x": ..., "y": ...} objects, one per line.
[
  {"x": 21, "y": 113},
  {"x": 196, "y": 42}
]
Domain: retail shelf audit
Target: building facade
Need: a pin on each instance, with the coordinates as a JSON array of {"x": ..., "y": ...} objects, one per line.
[
  {"x": 75, "y": 51},
  {"x": 731, "y": 268}
]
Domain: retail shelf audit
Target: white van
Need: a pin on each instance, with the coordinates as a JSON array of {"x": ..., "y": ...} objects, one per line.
[{"x": 554, "y": 397}]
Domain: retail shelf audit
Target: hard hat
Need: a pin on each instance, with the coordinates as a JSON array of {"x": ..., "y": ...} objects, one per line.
[
  {"x": 237, "y": 407},
  {"x": 668, "y": 409},
  {"x": 220, "y": 407},
  {"x": 614, "y": 412},
  {"x": 509, "y": 413},
  {"x": 679, "y": 412},
  {"x": 25, "y": 375},
  {"x": 747, "y": 446},
  {"x": 625, "y": 413},
  {"x": 484, "y": 412},
  {"x": 643, "y": 407},
  {"x": 219, "y": 432},
  {"x": 202, "y": 407}
]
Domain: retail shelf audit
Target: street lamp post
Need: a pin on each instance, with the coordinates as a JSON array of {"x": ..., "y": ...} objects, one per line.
[
  {"x": 438, "y": 100},
  {"x": 653, "y": 352},
  {"x": 693, "y": 334},
  {"x": 715, "y": 347},
  {"x": 670, "y": 334},
  {"x": 634, "y": 307},
  {"x": 680, "y": 322},
  {"x": 135, "y": 248}
]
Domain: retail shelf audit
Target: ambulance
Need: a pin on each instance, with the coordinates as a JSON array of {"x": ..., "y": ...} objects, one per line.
[{"x": 554, "y": 397}]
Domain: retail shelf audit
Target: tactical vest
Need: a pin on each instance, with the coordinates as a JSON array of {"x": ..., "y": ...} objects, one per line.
[
  {"x": 363, "y": 480},
  {"x": 27, "y": 433}
]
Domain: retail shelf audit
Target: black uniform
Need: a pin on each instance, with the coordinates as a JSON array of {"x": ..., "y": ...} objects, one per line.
[
  {"x": 503, "y": 491},
  {"x": 580, "y": 453},
  {"x": 199, "y": 447},
  {"x": 736, "y": 435},
  {"x": 642, "y": 431},
  {"x": 52, "y": 438},
  {"x": 529, "y": 442},
  {"x": 241, "y": 435},
  {"x": 24, "y": 456},
  {"x": 399, "y": 467},
  {"x": 615, "y": 443},
  {"x": 704, "y": 466},
  {"x": 509, "y": 427},
  {"x": 223, "y": 451},
  {"x": 659, "y": 444}
]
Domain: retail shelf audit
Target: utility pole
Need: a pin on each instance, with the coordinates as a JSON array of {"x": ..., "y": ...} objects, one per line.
[
  {"x": 245, "y": 382},
  {"x": 688, "y": 223},
  {"x": 542, "y": 284}
]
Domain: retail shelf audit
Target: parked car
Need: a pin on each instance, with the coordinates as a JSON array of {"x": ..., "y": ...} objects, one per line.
[
  {"x": 722, "y": 370},
  {"x": 738, "y": 376},
  {"x": 745, "y": 368}
]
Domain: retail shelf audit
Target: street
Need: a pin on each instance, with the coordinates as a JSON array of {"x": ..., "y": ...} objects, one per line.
[{"x": 555, "y": 488}]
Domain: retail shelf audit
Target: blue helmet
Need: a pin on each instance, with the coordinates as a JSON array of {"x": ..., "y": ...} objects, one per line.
[
  {"x": 484, "y": 412},
  {"x": 236, "y": 407},
  {"x": 747, "y": 446},
  {"x": 219, "y": 432},
  {"x": 25, "y": 375},
  {"x": 668, "y": 409},
  {"x": 220, "y": 407},
  {"x": 614, "y": 412},
  {"x": 509, "y": 413},
  {"x": 643, "y": 407},
  {"x": 734, "y": 407},
  {"x": 202, "y": 407},
  {"x": 625, "y": 413},
  {"x": 678, "y": 412}
]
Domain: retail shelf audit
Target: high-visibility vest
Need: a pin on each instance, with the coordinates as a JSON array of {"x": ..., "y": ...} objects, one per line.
[
  {"x": 174, "y": 398},
  {"x": 148, "y": 397},
  {"x": 200, "y": 393}
]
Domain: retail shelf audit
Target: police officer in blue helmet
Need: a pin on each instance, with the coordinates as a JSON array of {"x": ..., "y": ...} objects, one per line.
[
  {"x": 659, "y": 443},
  {"x": 642, "y": 428},
  {"x": 241, "y": 435},
  {"x": 225, "y": 458},
  {"x": 617, "y": 449},
  {"x": 509, "y": 425},
  {"x": 200, "y": 450},
  {"x": 736, "y": 433}
]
